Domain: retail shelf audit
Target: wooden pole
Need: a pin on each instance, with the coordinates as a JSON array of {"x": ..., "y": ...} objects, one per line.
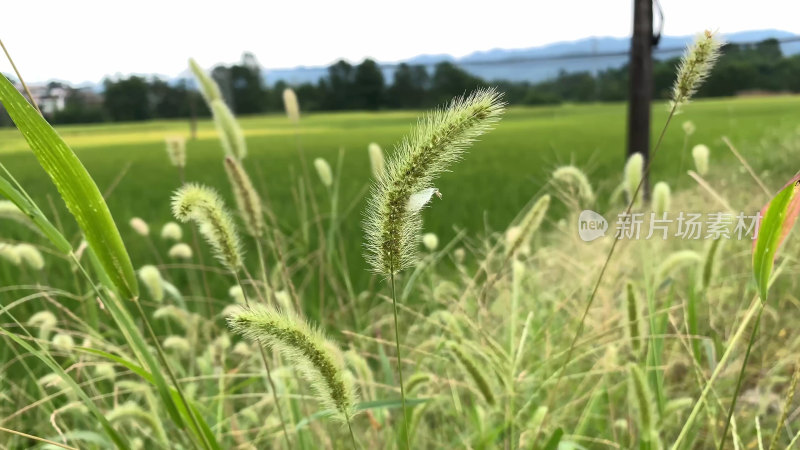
[{"x": 641, "y": 84}]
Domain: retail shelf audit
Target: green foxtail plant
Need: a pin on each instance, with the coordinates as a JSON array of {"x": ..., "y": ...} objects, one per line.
[{"x": 393, "y": 218}]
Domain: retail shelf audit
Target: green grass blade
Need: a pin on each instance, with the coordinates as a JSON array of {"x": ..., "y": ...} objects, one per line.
[
  {"x": 777, "y": 219},
  {"x": 79, "y": 191},
  {"x": 35, "y": 214}
]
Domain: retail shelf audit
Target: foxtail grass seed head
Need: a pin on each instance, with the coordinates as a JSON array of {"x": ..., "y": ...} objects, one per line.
[
  {"x": 9, "y": 210},
  {"x": 675, "y": 261},
  {"x": 242, "y": 349},
  {"x": 518, "y": 237},
  {"x": 474, "y": 371},
  {"x": 634, "y": 170},
  {"x": 430, "y": 241},
  {"x": 284, "y": 300},
  {"x": 172, "y": 312},
  {"x": 230, "y": 133},
  {"x": 688, "y": 128},
  {"x": 247, "y": 199},
  {"x": 237, "y": 294},
  {"x": 640, "y": 393},
  {"x": 176, "y": 150},
  {"x": 460, "y": 255},
  {"x": 42, "y": 319},
  {"x": 151, "y": 278},
  {"x": 661, "y": 198},
  {"x": 324, "y": 172},
  {"x": 63, "y": 342},
  {"x": 208, "y": 87},
  {"x": 708, "y": 264},
  {"x": 577, "y": 180},
  {"x": 376, "y": 162},
  {"x": 203, "y": 206},
  {"x": 305, "y": 347},
  {"x": 30, "y": 255},
  {"x": 180, "y": 251},
  {"x": 140, "y": 226},
  {"x": 291, "y": 105},
  {"x": 171, "y": 231},
  {"x": 633, "y": 316},
  {"x": 9, "y": 253},
  {"x": 177, "y": 344},
  {"x": 392, "y": 227},
  {"x": 700, "y": 154},
  {"x": 695, "y": 66},
  {"x": 105, "y": 371}
]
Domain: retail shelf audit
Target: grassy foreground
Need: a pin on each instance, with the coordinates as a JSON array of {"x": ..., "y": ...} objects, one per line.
[{"x": 483, "y": 337}]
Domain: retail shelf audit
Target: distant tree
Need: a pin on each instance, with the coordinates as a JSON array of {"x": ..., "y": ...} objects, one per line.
[
  {"x": 410, "y": 87},
  {"x": 222, "y": 75},
  {"x": 450, "y": 81},
  {"x": 169, "y": 101},
  {"x": 338, "y": 87},
  {"x": 368, "y": 86},
  {"x": 309, "y": 96},
  {"x": 247, "y": 90},
  {"x": 127, "y": 99}
]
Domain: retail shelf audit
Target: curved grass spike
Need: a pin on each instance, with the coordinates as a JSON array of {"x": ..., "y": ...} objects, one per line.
[
  {"x": 473, "y": 370},
  {"x": 208, "y": 87},
  {"x": 392, "y": 228},
  {"x": 648, "y": 435},
  {"x": 576, "y": 179},
  {"x": 76, "y": 187},
  {"x": 306, "y": 347},
  {"x": 247, "y": 198},
  {"x": 633, "y": 317}
]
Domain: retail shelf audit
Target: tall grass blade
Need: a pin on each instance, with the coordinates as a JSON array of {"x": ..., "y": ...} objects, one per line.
[{"x": 79, "y": 191}]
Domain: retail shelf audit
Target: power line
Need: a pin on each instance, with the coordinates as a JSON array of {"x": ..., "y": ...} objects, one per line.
[{"x": 571, "y": 56}]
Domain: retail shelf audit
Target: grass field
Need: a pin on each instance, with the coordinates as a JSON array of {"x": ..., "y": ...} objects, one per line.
[
  {"x": 493, "y": 183},
  {"x": 484, "y": 326}
]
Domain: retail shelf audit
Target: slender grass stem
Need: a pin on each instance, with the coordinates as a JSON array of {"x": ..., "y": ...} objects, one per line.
[
  {"x": 740, "y": 378},
  {"x": 37, "y": 438},
  {"x": 19, "y": 76},
  {"x": 269, "y": 373},
  {"x": 350, "y": 428},
  {"x": 399, "y": 360}
]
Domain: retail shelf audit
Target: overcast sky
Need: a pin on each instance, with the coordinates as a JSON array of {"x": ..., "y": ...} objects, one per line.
[{"x": 84, "y": 40}]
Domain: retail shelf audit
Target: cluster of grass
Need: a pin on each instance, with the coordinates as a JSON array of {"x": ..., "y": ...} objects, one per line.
[{"x": 285, "y": 328}]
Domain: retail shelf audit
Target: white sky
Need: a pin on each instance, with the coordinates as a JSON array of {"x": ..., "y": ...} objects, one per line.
[{"x": 83, "y": 40}]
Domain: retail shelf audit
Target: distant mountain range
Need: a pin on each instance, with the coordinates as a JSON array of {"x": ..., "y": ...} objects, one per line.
[{"x": 540, "y": 63}]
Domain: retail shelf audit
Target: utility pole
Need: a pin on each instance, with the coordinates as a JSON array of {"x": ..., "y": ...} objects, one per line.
[{"x": 641, "y": 84}]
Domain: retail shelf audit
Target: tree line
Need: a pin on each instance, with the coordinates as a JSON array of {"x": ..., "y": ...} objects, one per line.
[{"x": 742, "y": 68}]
